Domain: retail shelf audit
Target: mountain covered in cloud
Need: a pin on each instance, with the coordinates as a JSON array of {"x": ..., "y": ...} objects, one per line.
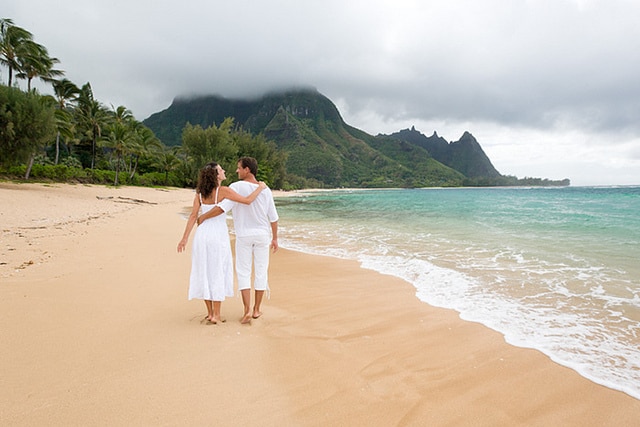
[{"x": 323, "y": 151}]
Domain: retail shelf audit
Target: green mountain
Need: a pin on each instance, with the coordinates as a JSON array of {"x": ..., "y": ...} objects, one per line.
[
  {"x": 464, "y": 155},
  {"x": 323, "y": 151}
]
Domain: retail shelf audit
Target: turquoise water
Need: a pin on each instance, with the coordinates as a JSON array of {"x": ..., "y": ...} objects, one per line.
[{"x": 555, "y": 269}]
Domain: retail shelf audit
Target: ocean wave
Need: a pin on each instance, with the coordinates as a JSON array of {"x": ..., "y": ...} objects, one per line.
[{"x": 572, "y": 338}]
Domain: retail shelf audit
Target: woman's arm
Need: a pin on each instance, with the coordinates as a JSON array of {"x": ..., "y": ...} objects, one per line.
[
  {"x": 231, "y": 194},
  {"x": 190, "y": 223}
]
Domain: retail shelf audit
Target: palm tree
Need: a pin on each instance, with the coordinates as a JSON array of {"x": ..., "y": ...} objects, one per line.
[
  {"x": 92, "y": 116},
  {"x": 36, "y": 62},
  {"x": 122, "y": 114},
  {"x": 13, "y": 42},
  {"x": 65, "y": 128},
  {"x": 65, "y": 92},
  {"x": 168, "y": 161},
  {"x": 119, "y": 137},
  {"x": 147, "y": 144}
]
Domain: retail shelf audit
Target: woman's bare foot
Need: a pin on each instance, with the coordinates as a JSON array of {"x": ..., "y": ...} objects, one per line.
[
  {"x": 246, "y": 319},
  {"x": 256, "y": 314}
]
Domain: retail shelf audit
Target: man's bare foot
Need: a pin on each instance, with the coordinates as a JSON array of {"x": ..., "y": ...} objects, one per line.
[
  {"x": 256, "y": 314},
  {"x": 246, "y": 319}
]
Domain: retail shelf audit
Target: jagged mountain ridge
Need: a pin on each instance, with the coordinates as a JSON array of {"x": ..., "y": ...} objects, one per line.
[
  {"x": 465, "y": 155},
  {"x": 322, "y": 148}
]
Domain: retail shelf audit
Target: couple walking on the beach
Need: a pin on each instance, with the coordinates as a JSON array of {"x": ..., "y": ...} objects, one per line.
[{"x": 255, "y": 221}]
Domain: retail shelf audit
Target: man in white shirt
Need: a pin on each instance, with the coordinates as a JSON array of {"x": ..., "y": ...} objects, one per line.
[{"x": 256, "y": 229}]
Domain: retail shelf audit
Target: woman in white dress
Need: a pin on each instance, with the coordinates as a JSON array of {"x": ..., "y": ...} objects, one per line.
[{"x": 211, "y": 276}]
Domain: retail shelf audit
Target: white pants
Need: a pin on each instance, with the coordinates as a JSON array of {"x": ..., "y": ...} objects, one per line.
[{"x": 256, "y": 249}]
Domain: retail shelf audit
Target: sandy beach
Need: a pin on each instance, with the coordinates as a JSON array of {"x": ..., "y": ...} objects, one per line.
[{"x": 96, "y": 330}]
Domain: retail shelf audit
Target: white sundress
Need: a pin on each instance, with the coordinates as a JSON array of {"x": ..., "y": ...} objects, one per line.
[{"x": 211, "y": 263}]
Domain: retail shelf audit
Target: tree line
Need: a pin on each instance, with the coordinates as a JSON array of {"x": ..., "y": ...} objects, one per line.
[{"x": 72, "y": 136}]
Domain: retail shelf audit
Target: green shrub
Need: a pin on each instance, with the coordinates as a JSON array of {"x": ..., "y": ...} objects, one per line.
[
  {"x": 100, "y": 176},
  {"x": 151, "y": 179},
  {"x": 71, "y": 162}
]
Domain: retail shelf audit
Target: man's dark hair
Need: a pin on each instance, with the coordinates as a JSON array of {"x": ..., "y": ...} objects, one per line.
[{"x": 251, "y": 163}]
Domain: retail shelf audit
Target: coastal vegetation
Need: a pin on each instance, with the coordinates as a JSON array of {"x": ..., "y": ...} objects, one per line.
[
  {"x": 298, "y": 137},
  {"x": 70, "y": 135}
]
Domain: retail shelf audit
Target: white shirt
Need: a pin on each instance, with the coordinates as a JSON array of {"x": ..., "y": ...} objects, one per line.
[{"x": 254, "y": 219}]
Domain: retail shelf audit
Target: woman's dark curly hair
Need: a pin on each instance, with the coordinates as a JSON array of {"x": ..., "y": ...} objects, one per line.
[{"x": 207, "y": 179}]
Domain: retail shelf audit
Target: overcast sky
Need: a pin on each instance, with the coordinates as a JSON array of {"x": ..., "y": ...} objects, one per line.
[{"x": 549, "y": 88}]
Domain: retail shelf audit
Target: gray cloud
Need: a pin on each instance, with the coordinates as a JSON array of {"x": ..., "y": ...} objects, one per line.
[{"x": 547, "y": 72}]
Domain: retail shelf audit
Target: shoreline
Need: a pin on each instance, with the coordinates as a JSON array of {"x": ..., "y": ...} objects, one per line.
[
  {"x": 116, "y": 341},
  {"x": 550, "y": 312}
]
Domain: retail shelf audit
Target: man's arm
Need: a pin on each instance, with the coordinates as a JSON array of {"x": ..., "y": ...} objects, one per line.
[
  {"x": 274, "y": 236},
  {"x": 272, "y": 214},
  {"x": 212, "y": 213}
]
